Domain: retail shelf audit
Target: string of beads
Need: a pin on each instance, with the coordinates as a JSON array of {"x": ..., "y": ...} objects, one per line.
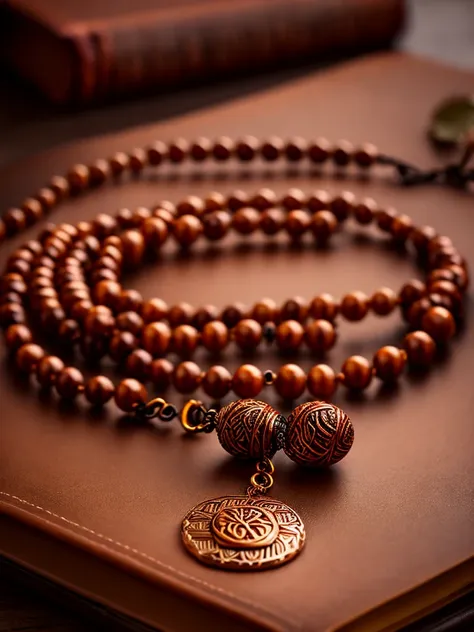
[{"x": 67, "y": 282}]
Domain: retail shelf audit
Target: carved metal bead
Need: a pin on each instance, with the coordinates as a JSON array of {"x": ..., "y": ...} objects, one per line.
[
  {"x": 318, "y": 434},
  {"x": 250, "y": 429}
]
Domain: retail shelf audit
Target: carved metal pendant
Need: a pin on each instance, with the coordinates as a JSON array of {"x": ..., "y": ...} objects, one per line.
[{"x": 243, "y": 533}]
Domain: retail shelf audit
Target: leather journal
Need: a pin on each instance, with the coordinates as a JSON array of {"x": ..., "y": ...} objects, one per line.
[
  {"x": 95, "y": 506},
  {"x": 90, "y": 50}
]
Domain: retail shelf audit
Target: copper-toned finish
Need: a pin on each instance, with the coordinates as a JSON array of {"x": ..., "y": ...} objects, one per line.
[
  {"x": 243, "y": 533},
  {"x": 318, "y": 434},
  {"x": 250, "y": 429}
]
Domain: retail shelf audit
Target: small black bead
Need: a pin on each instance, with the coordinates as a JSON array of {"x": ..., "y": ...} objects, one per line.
[
  {"x": 269, "y": 332},
  {"x": 268, "y": 376}
]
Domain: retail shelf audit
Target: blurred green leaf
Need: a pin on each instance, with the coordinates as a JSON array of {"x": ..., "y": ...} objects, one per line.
[{"x": 452, "y": 120}]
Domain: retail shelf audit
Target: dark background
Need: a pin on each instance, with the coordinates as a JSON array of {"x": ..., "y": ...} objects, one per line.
[{"x": 440, "y": 29}]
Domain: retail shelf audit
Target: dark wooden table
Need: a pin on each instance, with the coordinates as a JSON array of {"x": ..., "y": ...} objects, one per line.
[{"x": 441, "y": 29}]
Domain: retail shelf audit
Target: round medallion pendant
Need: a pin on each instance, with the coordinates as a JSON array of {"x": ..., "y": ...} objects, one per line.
[{"x": 243, "y": 533}]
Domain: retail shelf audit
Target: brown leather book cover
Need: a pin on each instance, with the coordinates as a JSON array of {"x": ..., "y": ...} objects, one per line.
[
  {"x": 97, "y": 506},
  {"x": 87, "y": 50}
]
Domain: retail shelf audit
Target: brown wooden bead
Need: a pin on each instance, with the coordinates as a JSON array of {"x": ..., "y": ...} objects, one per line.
[
  {"x": 246, "y": 149},
  {"x": 263, "y": 199},
  {"x": 343, "y": 153},
  {"x": 364, "y": 212},
  {"x": 247, "y": 381},
  {"x": 17, "y": 335},
  {"x": 319, "y": 150},
  {"x": 421, "y": 237},
  {"x": 420, "y": 348},
  {"x": 191, "y": 205},
  {"x": 342, "y": 205},
  {"x": 223, "y": 148},
  {"x": 447, "y": 288},
  {"x": 69, "y": 382},
  {"x": 354, "y": 306},
  {"x": 290, "y": 382},
  {"x": 264, "y": 311},
  {"x": 319, "y": 200},
  {"x": 215, "y": 336},
  {"x": 272, "y": 221},
  {"x": 320, "y": 335},
  {"x": 185, "y": 340},
  {"x": 178, "y": 150},
  {"x": 401, "y": 227},
  {"x": 156, "y": 338},
  {"x": 204, "y": 315},
  {"x": 323, "y": 225},
  {"x": 187, "y": 229},
  {"x": 180, "y": 314},
  {"x": 104, "y": 225},
  {"x": 321, "y": 381},
  {"x": 246, "y": 220},
  {"x": 99, "y": 390},
  {"x": 130, "y": 321},
  {"x": 78, "y": 178},
  {"x": 232, "y": 314},
  {"x": 140, "y": 214},
  {"x": 138, "y": 364},
  {"x": 248, "y": 334},
  {"x": 80, "y": 309},
  {"x": 129, "y": 300},
  {"x": 121, "y": 345},
  {"x": 129, "y": 393},
  {"x": 461, "y": 276},
  {"x": 289, "y": 335},
  {"x": 389, "y": 363},
  {"x": 383, "y": 301},
  {"x": 272, "y": 149},
  {"x": 200, "y": 149},
  {"x": 415, "y": 312},
  {"x": 297, "y": 223},
  {"x": 296, "y": 149},
  {"x": 33, "y": 210},
  {"x": 294, "y": 309},
  {"x": 14, "y": 220},
  {"x": 99, "y": 323},
  {"x": 439, "y": 323},
  {"x": 294, "y": 199},
  {"x": 384, "y": 218},
  {"x": 412, "y": 291},
  {"x": 324, "y": 306},
  {"x": 99, "y": 171},
  {"x": 11, "y": 314},
  {"x": 137, "y": 160},
  {"x": 357, "y": 372},
  {"x": 28, "y": 356},
  {"x": 161, "y": 373},
  {"x": 69, "y": 331},
  {"x": 119, "y": 162},
  {"x": 156, "y": 153},
  {"x": 133, "y": 244},
  {"x": 187, "y": 377},
  {"x": 216, "y": 224},
  {"x": 60, "y": 186},
  {"x": 47, "y": 370},
  {"x": 366, "y": 155},
  {"x": 217, "y": 382},
  {"x": 153, "y": 310}
]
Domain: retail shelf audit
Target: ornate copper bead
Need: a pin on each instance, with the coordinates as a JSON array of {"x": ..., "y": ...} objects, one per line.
[
  {"x": 318, "y": 434},
  {"x": 249, "y": 428}
]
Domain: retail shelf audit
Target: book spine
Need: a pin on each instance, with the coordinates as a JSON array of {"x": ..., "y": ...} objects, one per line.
[{"x": 187, "y": 49}]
